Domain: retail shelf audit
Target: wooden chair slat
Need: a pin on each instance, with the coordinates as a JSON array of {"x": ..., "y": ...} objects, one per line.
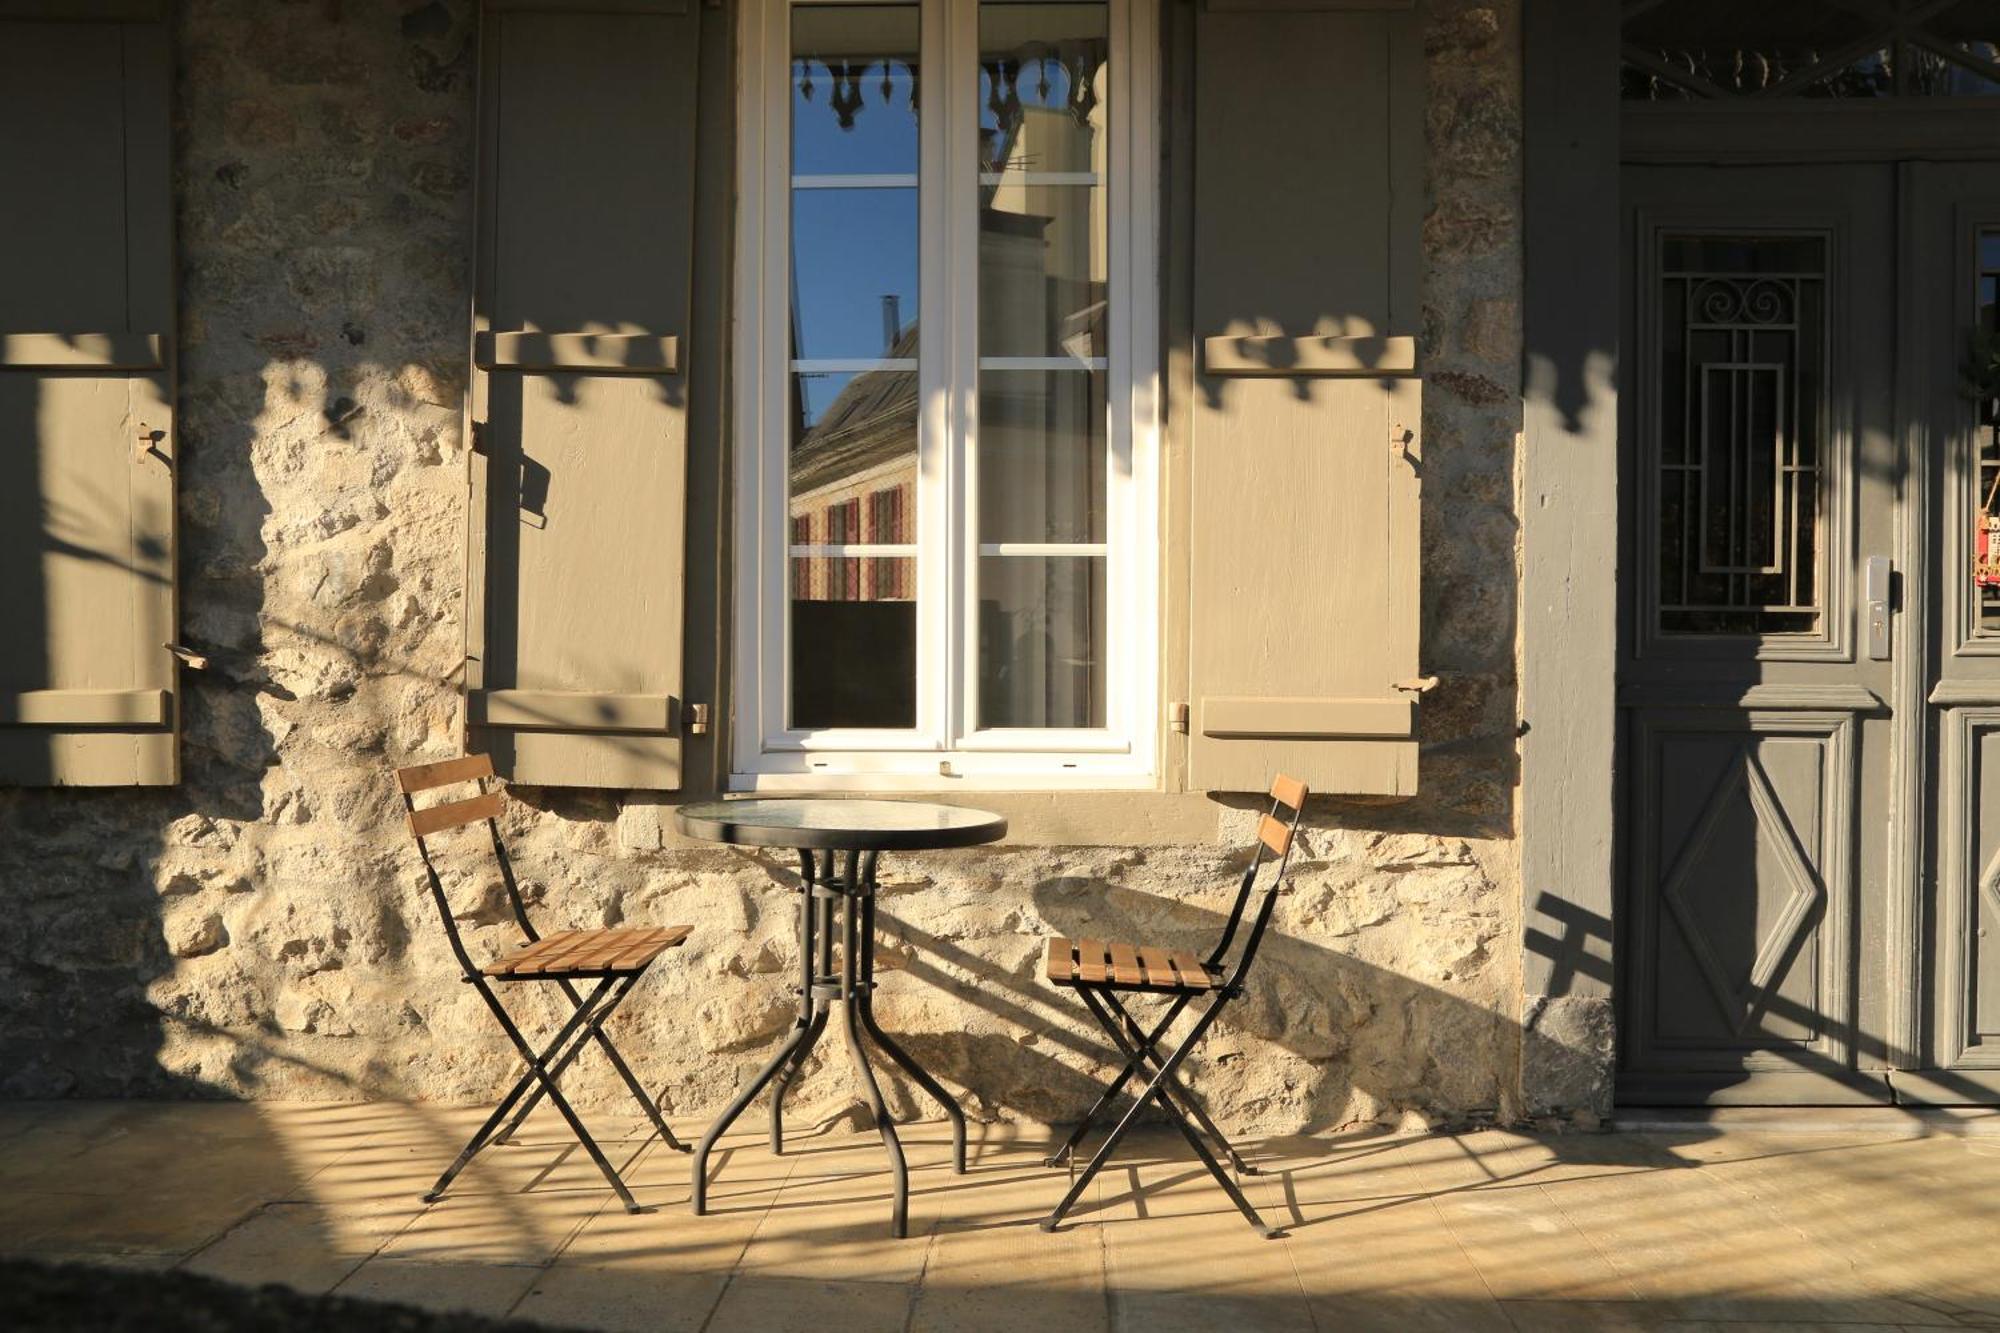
[
  {"x": 526, "y": 959},
  {"x": 1288, "y": 792},
  {"x": 444, "y": 773},
  {"x": 1189, "y": 970},
  {"x": 1125, "y": 967},
  {"x": 1090, "y": 961},
  {"x": 643, "y": 946},
  {"x": 1155, "y": 967},
  {"x": 622, "y": 949},
  {"x": 566, "y": 955},
  {"x": 452, "y": 814},
  {"x": 1275, "y": 834},
  {"x": 1061, "y": 959}
]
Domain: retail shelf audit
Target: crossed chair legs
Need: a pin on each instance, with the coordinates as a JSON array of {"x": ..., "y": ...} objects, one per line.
[
  {"x": 1141, "y": 1050},
  {"x": 585, "y": 1026}
]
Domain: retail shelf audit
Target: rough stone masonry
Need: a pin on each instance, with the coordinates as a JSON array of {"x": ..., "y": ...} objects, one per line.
[{"x": 263, "y": 930}]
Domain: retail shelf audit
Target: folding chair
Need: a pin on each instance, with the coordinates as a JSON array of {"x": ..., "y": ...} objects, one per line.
[
  {"x": 1099, "y": 972},
  {"x": 614, "y": 959}
]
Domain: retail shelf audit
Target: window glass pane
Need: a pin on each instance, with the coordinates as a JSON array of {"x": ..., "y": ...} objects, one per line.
[
  {"x": 852, "y": 428},
  {"x": 1041, "y": 641},
  {"x": 1041, "y": 456},
  {"x": 1041, "y": 453},
  {"x": 854, "y": 89},
  {"x": 1042, "y": 271},
  {"x": 854, "y": 273},
  {"x": 853, "y": 483},
  {"x": 854, "y": 642},
  {"x": 1042, "y": 156}
]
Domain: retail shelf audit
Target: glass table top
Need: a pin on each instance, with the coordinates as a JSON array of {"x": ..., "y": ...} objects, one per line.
[{"x": 841, "y": 824}]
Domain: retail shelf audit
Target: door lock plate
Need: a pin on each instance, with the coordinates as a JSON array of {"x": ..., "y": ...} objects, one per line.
[{"x": 1876, "y": 593}]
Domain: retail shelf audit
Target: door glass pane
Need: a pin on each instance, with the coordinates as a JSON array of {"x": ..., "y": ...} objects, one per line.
[
  {"x": 1739, "y": 433},
  {"x": 852, "y": 411},
  {"x": 1041, "y": 457},
  {"x": 1041, "y": 641},
  {"x": 1984, "y": 370}
]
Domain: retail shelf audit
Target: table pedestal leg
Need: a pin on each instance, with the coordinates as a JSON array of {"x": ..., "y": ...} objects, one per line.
[
  {"x": 815, "y": 962},
  {"x": 853, "y": 987}
]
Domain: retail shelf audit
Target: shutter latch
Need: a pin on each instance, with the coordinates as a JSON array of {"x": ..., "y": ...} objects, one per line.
[
  {"x": 1420, "y": 685},
  {"x": 697, "y": 720},
  {"x": 196, "y": 661},
  {"x": 146, "y": 444},
  {"x": 1177, "y": 716}
]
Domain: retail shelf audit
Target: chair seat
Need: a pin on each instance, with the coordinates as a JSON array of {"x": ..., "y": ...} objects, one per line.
[
  {"x": 603, "y": 952},
  {"x": 1115, "y": 965}
]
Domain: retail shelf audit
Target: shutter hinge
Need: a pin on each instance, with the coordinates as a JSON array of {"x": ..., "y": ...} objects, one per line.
[
  {"x": 1177, "y": 716},
  {"x": 478, "y": 437},
  {"x": 697, "y": 719}
]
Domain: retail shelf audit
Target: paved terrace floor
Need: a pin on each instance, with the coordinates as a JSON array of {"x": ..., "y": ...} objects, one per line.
[{"x": 1879, "y": 1225}]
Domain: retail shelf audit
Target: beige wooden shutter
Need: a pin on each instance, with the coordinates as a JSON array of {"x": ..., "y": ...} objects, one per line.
[
  {"x": 579, "y": 405},
  {"x": 1308, "y": 201},
  {"x": 87, "y": 685}
]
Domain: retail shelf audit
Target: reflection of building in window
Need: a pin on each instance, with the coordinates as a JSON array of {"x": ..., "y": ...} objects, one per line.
[
  {"x": 863, "y": 446},
  {"x": 887, "y": 574},
  {"x": 843, "y": 573},
  {"x": 802, "y": 535}
]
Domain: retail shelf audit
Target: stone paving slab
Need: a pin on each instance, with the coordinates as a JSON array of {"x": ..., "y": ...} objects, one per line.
[{"x": 1687, "y": 1227}]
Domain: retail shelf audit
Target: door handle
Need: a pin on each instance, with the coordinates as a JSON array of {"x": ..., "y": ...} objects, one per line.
[{"x": 1875, "y": 591}]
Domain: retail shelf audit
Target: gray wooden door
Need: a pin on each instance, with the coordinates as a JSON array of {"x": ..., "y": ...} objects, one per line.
[
  {"x": 1952, "y": 275},
  {"x": 1759, "y": 489}
]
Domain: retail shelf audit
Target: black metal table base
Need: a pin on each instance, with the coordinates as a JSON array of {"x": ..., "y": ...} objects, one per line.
[{"x": 850, "y": 894}]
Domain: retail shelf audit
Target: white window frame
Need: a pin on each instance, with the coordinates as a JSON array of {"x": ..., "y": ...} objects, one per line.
[{"x": 766, "y": 755}]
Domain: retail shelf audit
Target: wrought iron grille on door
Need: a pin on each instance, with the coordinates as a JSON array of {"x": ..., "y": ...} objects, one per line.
[
  {"x": 1681, "y": 50},
  {"x": 1737, "y": 439}
]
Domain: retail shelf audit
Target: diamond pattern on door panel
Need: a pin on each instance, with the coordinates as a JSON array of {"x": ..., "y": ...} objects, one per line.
[{"x": 1744, "y": 894}]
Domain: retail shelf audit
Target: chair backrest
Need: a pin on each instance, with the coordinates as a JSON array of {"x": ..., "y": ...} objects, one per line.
[
  {"x": 482, "y": 807},
  {"x": 1277, "y": 832}
]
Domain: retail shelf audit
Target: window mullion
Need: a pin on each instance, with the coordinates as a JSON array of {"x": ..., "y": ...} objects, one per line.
[
  {"x": 959, "y": 123},
  {"x": 936, "y": 467}
]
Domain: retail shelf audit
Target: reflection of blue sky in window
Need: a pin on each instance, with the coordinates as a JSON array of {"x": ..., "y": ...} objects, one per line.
[
  {"x": 851, "y": 248},
  {"x": 854, "y": 251}
]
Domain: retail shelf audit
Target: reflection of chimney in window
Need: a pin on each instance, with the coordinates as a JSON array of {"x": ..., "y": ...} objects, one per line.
[{"x": 892, "y": 322}]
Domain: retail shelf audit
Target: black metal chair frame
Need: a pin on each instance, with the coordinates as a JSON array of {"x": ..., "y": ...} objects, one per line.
[
  {"x": 1141, "y": 1047},
  {"x": 585, "y": 1026}
]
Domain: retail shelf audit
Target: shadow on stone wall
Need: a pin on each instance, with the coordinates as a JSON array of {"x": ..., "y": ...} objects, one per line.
[{"x": 261, "y": 931}]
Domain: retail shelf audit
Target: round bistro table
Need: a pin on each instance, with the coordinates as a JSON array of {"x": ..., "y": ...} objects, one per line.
[{"x": 838, "y": 843}]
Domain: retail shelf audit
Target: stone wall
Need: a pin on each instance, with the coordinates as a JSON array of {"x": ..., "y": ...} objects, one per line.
[{"x": 263, "y": 929}]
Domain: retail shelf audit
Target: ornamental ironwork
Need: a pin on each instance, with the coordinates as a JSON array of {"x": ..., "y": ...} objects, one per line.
[
  {"x": 1738, "y": 439},
  {"x": 1692, "y": 50}
]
